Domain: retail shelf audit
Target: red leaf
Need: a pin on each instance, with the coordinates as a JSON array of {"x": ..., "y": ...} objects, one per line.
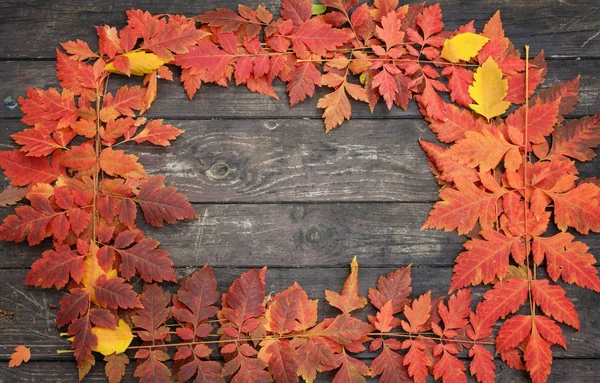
[
  {"x": 387, "y": 86},
  {"x": 577, "y": 138},
  {"x": 538, "y": 357},
  {"x": 455, "y": 316},
  {"x": 430, "y": 20},
  {"x": 157, "y": 133},
  {"x": 31, "y": 221},
  {"x": 72, "y": 306},
  {"x": 153, "y": 369},
  {"x": 228, "y": 20},
  {"x": 394, "y": 287},
  {"x": 444, "y": 168},
  {"x": 513, "y": 332},
  {"x": 458, "y": 84},
  {"x": 103, "y": 318},
  {"x": 553, "y": 302},
  {"x": 48, "y": 108},
  {"x": 541, "y": 121},
  {"x": 73, "y": 75},
  {"x": 244, "y": 300},
  {"x": 567, "y": 259},
  {"x": 314, "y": 355},
  {"x": 347, "y": 331},
  {"x": 205, "y": 371},
  {"x": 115, "y": 367},
  {"x": 417, "y": 314},
  {"x": 302, "y": 83},
  {"x": 298, "y": 11},
  {"x": 115, "y": 293},
  {"x": 118, "y": 164},
  {"x": 291, "y": 310},
  {"x": 282, "y": 360},
  {"x": 578, "y": 208},
  {"x": 484, "y": 150},
  {"x": 55, "y": 268},
  {"x": 485, "y": 259},
  {"x": 417, "y": 362},
  {"x": 462, "y": 207},
  {"x": 150, "y": 263},
  {"x": 349, "y": 300},
  {"x": 79, "y": 50},
  {"x": 126, "y": 100},
  {"x": 206, "y": 57},
  {"x": 390, "y": 365},
  {"x": 174, "y": 37},
  {"x": 516, "y": 86},
  {"x": 505, "y": 298},
  {"x": 567, "y": 92},
  {"x": 23, "y": 170},
  {"x": 162, "y": 203},
  {"x": 450, "y": 369},
  {"x": 246, "y": 368},
  {"x": 83, "y": 338},
  {"x": 351, "y": 370},
  {"x": 318, "y": 37},
  {"x": 549, "y": 330},
  {"x": 389, "y": 31},
  {"x": 153, "y": 314},
  {"x": 197, "y": 296},
  {"x": 482, "y": 366}
]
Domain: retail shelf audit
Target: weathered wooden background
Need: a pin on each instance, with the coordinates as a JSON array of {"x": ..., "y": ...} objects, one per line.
[{"x": 271, "y": 188}]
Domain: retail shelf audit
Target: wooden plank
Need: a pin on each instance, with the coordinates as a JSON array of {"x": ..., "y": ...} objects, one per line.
[
  {"x": 215, "y": 102},
  {"x": 32, "y": 29},
  {"x": 563, "y": 371},
  {"x": 245, "y": 161},
  {"x": 33, "y": 324},
  {"x": 293, "y": 235}
]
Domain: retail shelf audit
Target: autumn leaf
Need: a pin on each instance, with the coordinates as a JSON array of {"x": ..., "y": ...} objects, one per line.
[
  {"x": 115, "y": 367},
  {"x": 349, "y": 300},
  {"x": 417, "y": 314},
  {"x": 463, "y": 46},
  {"x": 489, "y": 90},
  {"x": 21, "y": 355},
  {"x": 113, "y": 341}
]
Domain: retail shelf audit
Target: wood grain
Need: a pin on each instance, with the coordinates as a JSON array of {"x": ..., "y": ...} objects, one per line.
[
  {"x": 33, "y": 323},
  {"x": 563, "y": 371},
  {"x": 272, "y": 189},
  {"x": 32, "y": 28},
  {"x": 214, "y": 102},
  {"x": 297, "y": 235}
]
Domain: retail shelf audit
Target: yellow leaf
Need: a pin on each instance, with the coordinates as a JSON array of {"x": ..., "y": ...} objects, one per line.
[
  {"x": 113, "y": 341},
  {"x": 463, "y": 46},
  {"x": 488, "y": 90},
  {"x": 93, "y": 271},
  {"x": 141, "y": 63}
]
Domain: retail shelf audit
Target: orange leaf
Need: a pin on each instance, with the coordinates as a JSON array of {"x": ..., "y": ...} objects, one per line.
[
  {"x": 513, "y": 332},
  {"x": 21, "y": 355},
  {"x": 553, "y": 302},
  {"x": 482, "y": 366},
  {"x": 417, "y": 314},
  {"x": 349, "y": 300},
  {"x": 485, "y": 259},
  {"x": 538, "y": 357},
  {"x": 462, "y": 207},
  {"x": 117, "y": 163},
  {"x": 484, "y": 149}
]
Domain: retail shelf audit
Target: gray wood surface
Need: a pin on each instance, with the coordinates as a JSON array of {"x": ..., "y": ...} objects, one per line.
[{"x": 271, "y": 189}]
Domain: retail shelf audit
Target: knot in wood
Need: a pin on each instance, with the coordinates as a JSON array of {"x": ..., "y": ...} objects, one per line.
[{"x": 218, "y": 171}]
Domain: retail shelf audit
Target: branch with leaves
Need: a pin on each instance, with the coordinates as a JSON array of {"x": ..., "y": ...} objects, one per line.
[{"x": 505, "y": 181}]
